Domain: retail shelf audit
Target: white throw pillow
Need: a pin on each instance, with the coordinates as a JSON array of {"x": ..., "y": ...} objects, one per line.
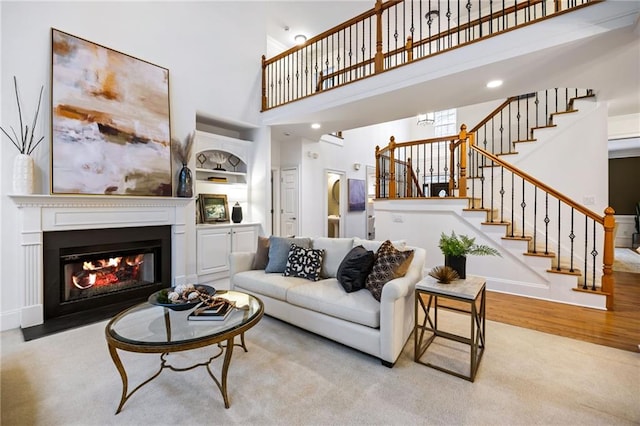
[{"x": 335, "y": 249}]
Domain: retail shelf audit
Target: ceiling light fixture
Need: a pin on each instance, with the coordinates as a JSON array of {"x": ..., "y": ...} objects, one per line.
[
  {"x": 494, "y": 83},
  {"x": 315, "y": 126},
  {"x": 424, "y": 119},
  {"x": 300, "y": 39}
]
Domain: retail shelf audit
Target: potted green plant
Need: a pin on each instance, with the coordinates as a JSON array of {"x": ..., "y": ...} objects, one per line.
[{"x": 455, "y": 249}]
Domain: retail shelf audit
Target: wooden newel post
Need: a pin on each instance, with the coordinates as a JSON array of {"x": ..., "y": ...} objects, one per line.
[
  {"x": 407, "y": 179},
  {"x": 392, "y": 168},
  {"x": 608, "y": 283},
  {"x": 379, "y": 58},
  {"x": 264, "y": 83},
  {"x": 409, "y": 48},
  {"x": 462, "y": 186},
  {"x": 378, "y": 171}
]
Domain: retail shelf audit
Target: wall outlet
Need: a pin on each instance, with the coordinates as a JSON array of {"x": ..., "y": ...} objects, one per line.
[
  {"x": 397, "y": 218},
  {"x": 589, "y": 200}
]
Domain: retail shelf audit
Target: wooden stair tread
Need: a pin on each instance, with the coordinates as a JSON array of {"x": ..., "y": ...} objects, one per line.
[
  {"x": 525, "y": 140},
  {"x": 496, "y": 223},
  {"x": 565, "y": 271},
  {"x": 540, "y": 254},
  {"x": 569, "y": 111},
  {"x": 507, "y": 153},
  {"x": 517, "y": 238},
  {"x": 598, "y": 290}
]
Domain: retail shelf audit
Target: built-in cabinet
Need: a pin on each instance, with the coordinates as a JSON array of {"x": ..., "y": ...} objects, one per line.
[
  {"x": 222, "y": 167},
  {"x": 216, "y": 242}
]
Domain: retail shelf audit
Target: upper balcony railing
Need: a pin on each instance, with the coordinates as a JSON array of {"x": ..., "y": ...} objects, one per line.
[{"x": 394, "y": 33}]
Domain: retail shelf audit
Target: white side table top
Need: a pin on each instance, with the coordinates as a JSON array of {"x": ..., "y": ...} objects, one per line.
[{"x": 468, "y": 288}]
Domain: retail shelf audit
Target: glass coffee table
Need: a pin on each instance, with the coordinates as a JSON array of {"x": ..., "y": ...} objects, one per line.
[{"x": 146, "y": 328}]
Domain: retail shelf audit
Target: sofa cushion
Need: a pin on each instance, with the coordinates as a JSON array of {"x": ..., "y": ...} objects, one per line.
[
  {"x": 279, "y": 251},
  {"x": 261, "y": 258},
  {"x": 374, "y": 245},
  {"x": 354, "y": 269},
  {"x": 335, "y": 249},
  {"x": 272, "y": 285},
  {"x": 304, "y": 263},
  {"x": 388, "y": 261},
  {"x": 328, "y": 297}
]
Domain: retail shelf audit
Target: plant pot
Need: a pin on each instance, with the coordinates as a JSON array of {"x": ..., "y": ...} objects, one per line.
[
  {"x": 185, "y": 183},
  {"x": 457, "y": 263},
  {"x": 23, "y": 174}
]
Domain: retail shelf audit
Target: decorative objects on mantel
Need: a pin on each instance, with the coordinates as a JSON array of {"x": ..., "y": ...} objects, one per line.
[
  {"x": 23, "y": 163},
  {"x": 182, "y": 153},
  {"x": 456, "y": 247}
]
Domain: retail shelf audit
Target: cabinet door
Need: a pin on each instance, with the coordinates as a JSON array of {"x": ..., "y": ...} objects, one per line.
[
  {"x": 214, "y": 246},
  {"x": 244, "y": 239}
]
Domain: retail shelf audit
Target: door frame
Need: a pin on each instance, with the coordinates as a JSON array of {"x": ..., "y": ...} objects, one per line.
[
  {"x": 297, "y": 172},
  {"x": 343, "y": 200},
  {"x": 275, "y": 201}
]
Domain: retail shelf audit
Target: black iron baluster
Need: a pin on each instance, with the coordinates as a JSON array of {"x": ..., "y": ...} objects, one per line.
[
  {"x": 594, "y": 254},
  {"x": 586, "y": 245},
  {"x": 559, "y": 234},
  {"x": 546, "y": 223},
  {"x": 523, "y": 205},
  {"x": 535, "y": 218},
  {"x": 572, "y": 236}
]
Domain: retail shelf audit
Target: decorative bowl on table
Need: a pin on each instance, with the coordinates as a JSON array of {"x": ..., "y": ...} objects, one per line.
[{"x": 181, "y": 297}]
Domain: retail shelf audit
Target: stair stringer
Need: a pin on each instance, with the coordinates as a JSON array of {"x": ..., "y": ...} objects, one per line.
[
  {"x": 421, "y": 221},
  {"x": 551, "y": 286}
]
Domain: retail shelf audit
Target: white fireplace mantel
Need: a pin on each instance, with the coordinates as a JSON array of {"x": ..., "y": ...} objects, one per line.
[{"x": 42, "y": 213}]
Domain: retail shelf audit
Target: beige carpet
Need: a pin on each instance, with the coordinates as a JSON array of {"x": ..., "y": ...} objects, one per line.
[
  {"x": 626, "y": 260},
  {"x": 293, "y": 377}
]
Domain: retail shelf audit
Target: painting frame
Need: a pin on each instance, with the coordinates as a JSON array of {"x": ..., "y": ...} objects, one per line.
[
  {"x": 110, "y": 121},
  {"x": 213, "y": 208},
  {"x": 357, "y": 195}
]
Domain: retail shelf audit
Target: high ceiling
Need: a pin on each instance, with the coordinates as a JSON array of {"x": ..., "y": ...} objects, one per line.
[{"x": 600, "y": 57}]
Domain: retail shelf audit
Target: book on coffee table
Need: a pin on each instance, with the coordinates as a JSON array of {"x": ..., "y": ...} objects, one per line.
[{"x": 218, "y": 313}]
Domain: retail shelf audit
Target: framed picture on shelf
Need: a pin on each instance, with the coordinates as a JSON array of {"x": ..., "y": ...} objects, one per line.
[
  {"x": 111, "y": 132},
  {"x": 213, "y": 208}
]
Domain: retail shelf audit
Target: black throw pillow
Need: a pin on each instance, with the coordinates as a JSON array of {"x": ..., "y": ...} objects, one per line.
[{"x": 354, "y": 268}]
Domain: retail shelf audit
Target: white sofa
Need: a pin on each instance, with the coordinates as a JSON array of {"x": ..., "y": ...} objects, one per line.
[{"x": 323, "y": 307}]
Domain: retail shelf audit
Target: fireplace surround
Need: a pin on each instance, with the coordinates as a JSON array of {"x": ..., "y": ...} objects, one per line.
[
  {"x": 42, "y": 214},
  {"x": 93, "y": 268}
]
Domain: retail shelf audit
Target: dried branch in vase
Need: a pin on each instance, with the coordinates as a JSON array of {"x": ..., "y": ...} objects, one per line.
[
  {"x": 182, "y": 151},
  {"x": 25, "y": 142}
]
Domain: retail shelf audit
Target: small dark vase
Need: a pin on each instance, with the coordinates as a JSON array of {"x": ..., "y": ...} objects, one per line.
[
  {"x": 236, "y": 213},
  {"x": 185, "y": 183},
  {"x": 457, "y": 263}
]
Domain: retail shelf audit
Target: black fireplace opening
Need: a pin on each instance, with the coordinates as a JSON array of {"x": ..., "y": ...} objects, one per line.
[{"x": 90, "y": 275}]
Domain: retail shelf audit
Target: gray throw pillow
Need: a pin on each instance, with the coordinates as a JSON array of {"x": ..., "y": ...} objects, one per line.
[
  {"x": 261, "y": 258},
  {"x": 279, "y": 251}
]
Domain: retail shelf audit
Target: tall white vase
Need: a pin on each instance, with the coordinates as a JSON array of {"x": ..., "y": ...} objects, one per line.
[{"x": 23, "y": 174}]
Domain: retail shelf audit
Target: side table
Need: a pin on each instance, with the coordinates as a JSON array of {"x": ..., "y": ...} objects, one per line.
[{"x": 470, "y": 291}]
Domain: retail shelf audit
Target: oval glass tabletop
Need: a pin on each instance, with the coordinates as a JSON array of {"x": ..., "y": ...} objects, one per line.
[{"x": 147, "y": 324}]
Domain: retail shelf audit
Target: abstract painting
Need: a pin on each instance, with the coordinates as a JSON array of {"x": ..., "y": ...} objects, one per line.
[
  {"x": 110, "y": 121},
  {"x": 356, "y": 195}
]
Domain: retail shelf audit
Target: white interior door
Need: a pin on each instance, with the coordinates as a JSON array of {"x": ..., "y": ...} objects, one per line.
[{"x": 289, "y": 202}]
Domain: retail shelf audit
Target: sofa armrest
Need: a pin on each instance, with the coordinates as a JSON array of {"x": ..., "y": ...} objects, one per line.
[
  {"x": 240, "y": 261},
  {"x": 401, "y": 287}
]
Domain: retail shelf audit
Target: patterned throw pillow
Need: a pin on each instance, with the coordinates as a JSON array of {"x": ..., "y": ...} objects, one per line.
[
  {"x": 304, "y": 263},
  {"x": 388, "y": 261}
]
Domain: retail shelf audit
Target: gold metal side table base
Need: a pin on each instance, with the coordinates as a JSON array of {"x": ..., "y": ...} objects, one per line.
[{"x": 426, "y": 332}]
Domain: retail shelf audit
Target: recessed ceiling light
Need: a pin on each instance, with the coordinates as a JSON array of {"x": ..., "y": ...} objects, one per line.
[
  {"x": 315, "y": 126},
  {"x": 300, "y": 39},
  {"x": 494, "y": 83}
]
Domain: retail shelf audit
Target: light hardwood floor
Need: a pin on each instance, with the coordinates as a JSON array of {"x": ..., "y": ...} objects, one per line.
[{"x": 619, "y": 328}]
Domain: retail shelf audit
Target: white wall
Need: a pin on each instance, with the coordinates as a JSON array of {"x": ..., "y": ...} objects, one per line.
[{"x": 214, "y": 69}]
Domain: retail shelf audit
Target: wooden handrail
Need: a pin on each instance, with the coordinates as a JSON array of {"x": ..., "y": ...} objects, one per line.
[
  {"x": 493, "y": 113},
  {"x": 364, "y": 15},
  {"x": 546, "y": 188}
]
